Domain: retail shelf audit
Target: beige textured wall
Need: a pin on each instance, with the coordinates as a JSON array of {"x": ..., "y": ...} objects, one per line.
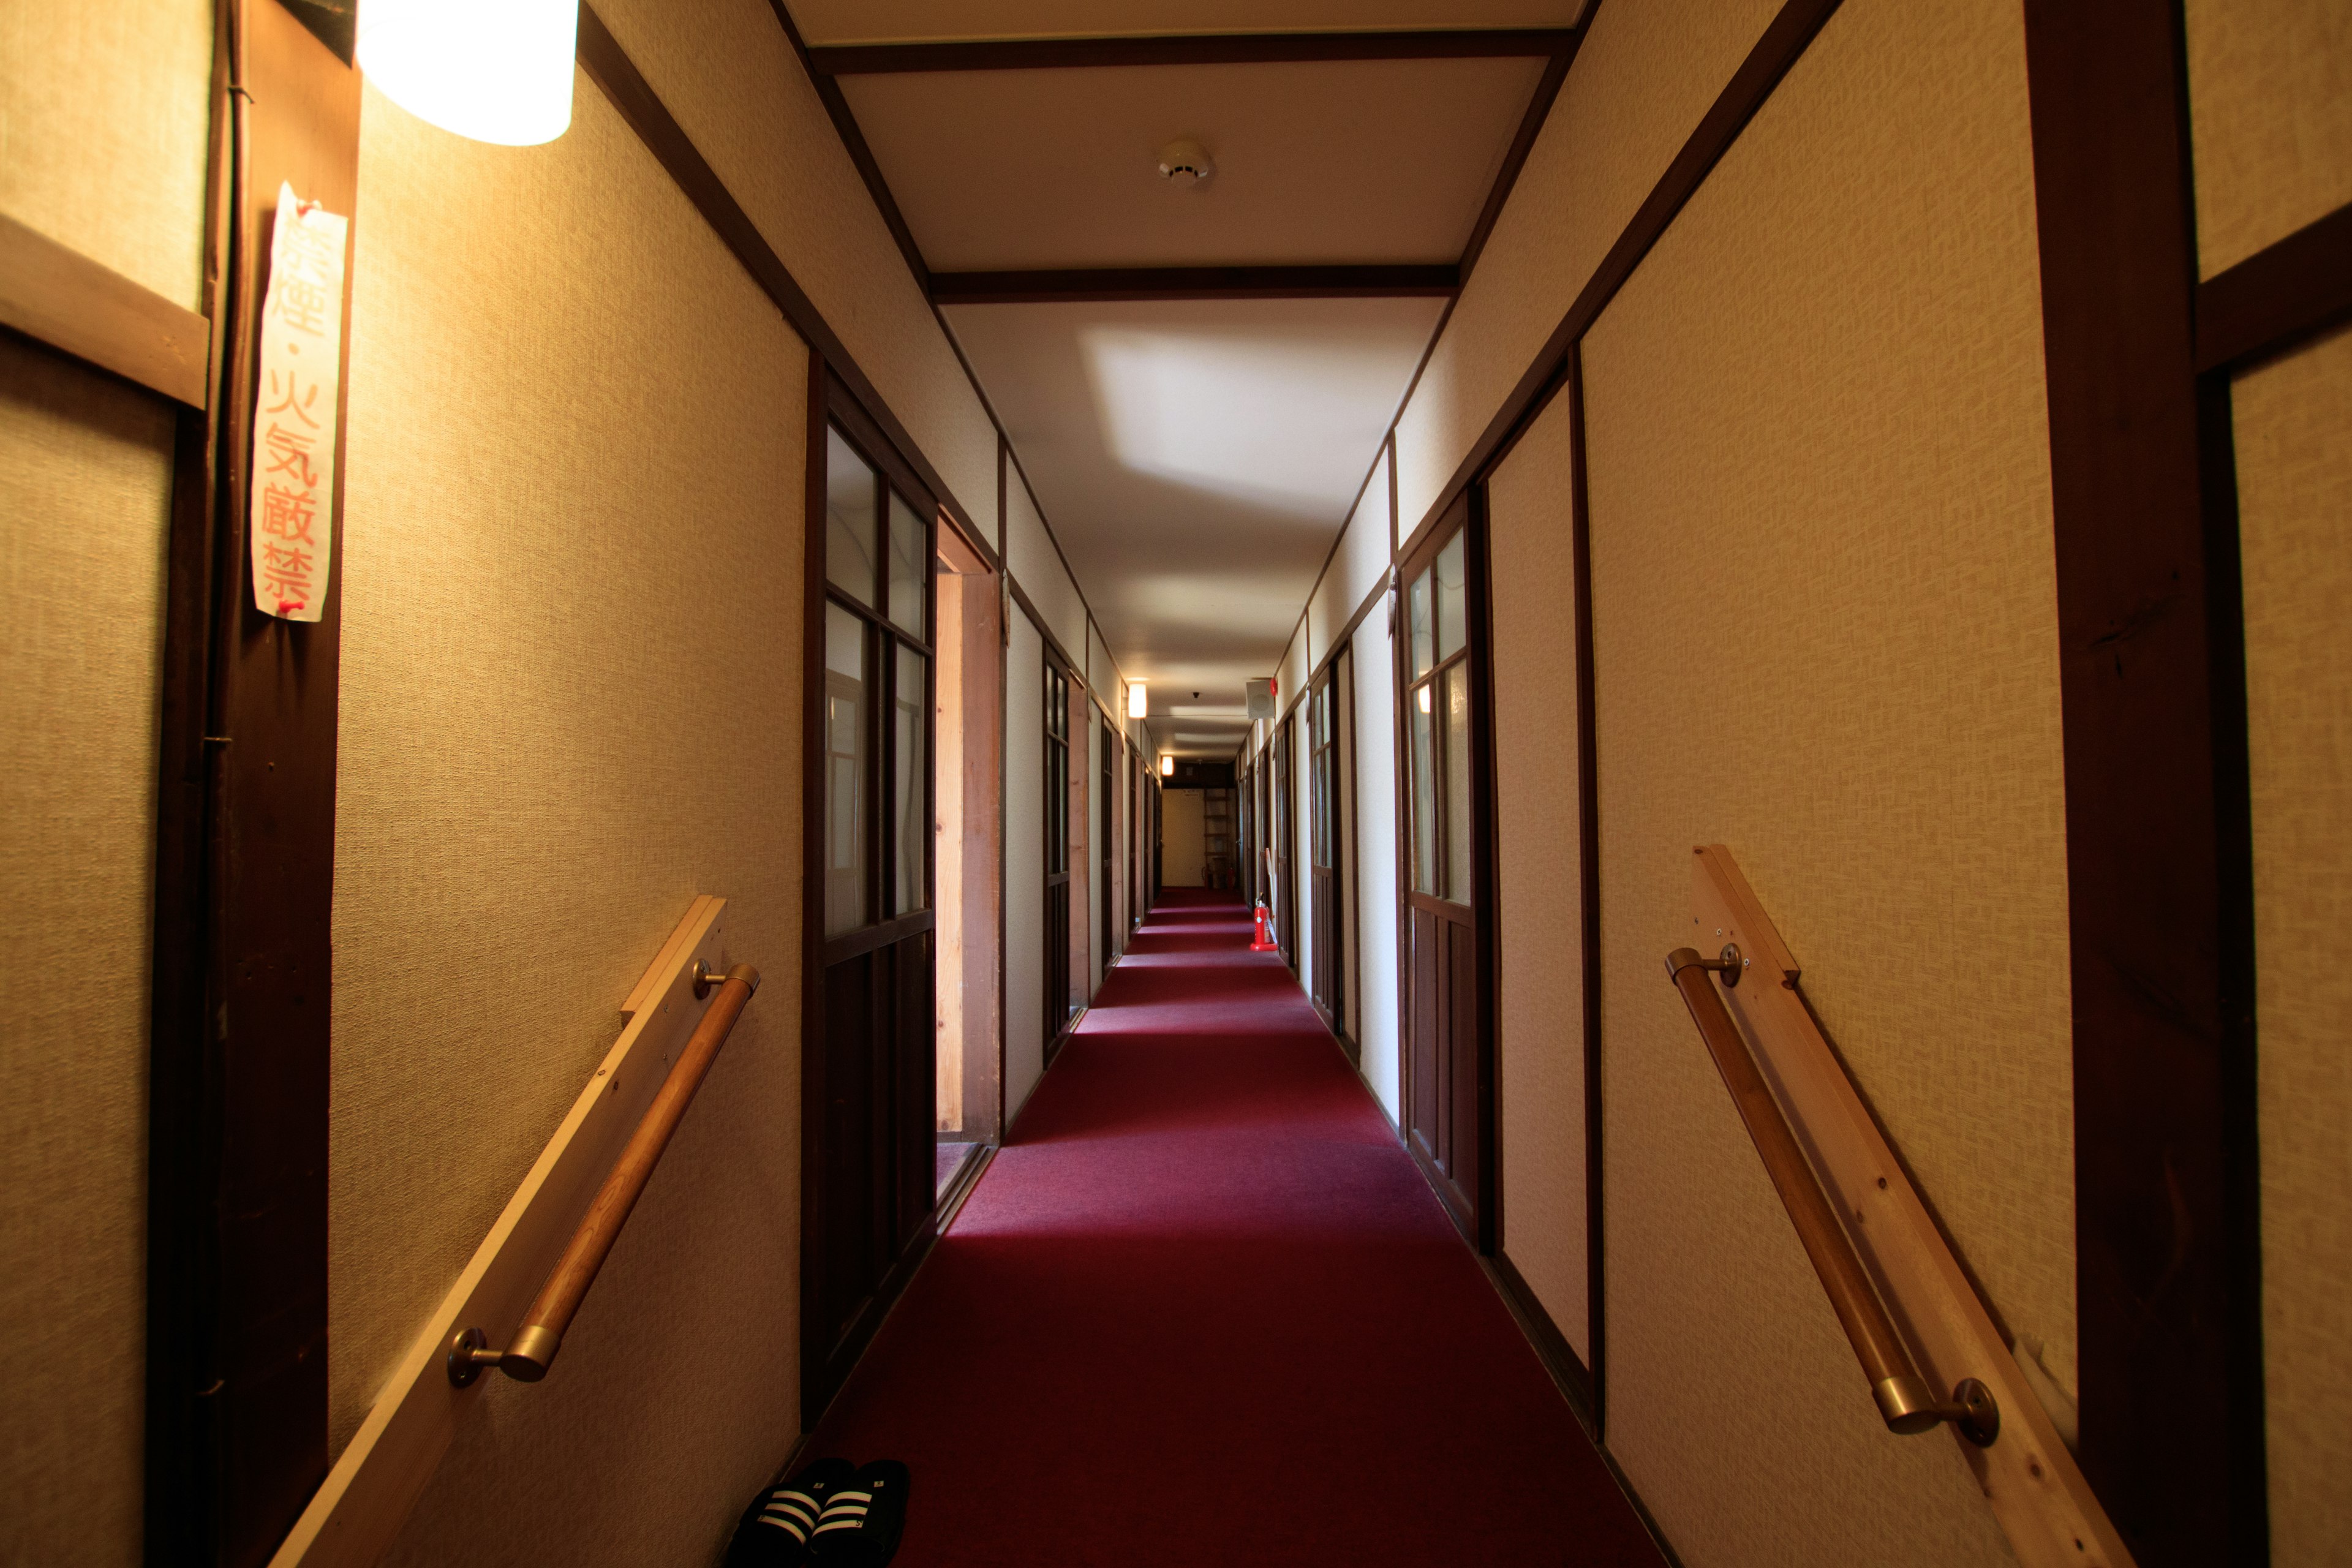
[
  {"x": 104, "y": 114},
  {"x": 2271, "y": 118},
  {"x": 1036, "y": 566},
  {"x": 1825, "y": 618},
  {"x": 2295, "y": 504},
  {"x": 727, "y": 71},
  {"x": 574, "y": 533},
  {"x": 1540, "y": 1024},
  {"x": 1640, "y": 82},
  {"x": 85, "y": 481}
]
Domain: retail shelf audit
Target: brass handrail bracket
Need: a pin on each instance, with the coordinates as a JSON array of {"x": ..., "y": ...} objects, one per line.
[
  {"x": 533, "y": 1352},
  {"x": 1909, "y": 1310}
]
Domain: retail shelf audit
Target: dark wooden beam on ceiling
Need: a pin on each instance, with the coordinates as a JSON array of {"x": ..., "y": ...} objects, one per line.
[
  {"x": 1189, "y": 49},
  {"x": 1440, "y": 279}
]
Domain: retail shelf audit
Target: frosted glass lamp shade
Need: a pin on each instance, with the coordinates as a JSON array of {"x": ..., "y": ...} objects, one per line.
[
  {"x": 1137, "y": 700},
  {"x": 1167, "y": 767},
  {"x": 496, "y": 70}
]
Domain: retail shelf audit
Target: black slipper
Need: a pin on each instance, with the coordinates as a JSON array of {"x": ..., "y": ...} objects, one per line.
[
  {"x": 863, "y": 1517},
  {"x": 774, "y": 1531}
]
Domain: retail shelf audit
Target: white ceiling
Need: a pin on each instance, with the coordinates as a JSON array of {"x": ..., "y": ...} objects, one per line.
[
  {"x": 907, "y": 21},
  {"x": 1196, "y": 460},
  {"x": 1331, "y": 160}
]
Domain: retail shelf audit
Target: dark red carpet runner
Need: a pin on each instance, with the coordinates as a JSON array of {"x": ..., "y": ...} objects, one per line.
[{"x": 1203, "y": 1309}]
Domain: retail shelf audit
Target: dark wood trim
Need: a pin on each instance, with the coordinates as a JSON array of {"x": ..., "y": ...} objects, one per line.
[
  {"x": 853, "y": 141},
  {"x": 56, "y": 295},
  {"x": 1053, "y": 647},
  {"x": 867, "y": 434},
  {"x": 1783, "y": 43},
  {"x": 1486, "y": 870},
  {"x": 177, "y": 1504},
  {"x": 1523, "y": 142},
  {"x": 1354, "y": 507},
  {"x": 1381, "y": 280},
  {"x": 1188, "y": 50},
  {"x": 2158, "y": 864},
  {"x": 813, "y": 837},
  {"x": 1013, "y": 456},
  {"x": 2278, "y": 297},
  {"x": 1551, "y": 1347},
  {"x": 610, "y": 68},
  {"x": 1588, "y": 792},
  {"x": 237, "y": 1241},
  {"x": 851, "y": 944}
]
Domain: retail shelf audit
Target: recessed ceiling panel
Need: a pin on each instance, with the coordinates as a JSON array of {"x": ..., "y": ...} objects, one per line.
[
  {"x": 1196, "y": 460},
  {"x": 908, "y": 21},
  {"x": 1343, "y": 161}
]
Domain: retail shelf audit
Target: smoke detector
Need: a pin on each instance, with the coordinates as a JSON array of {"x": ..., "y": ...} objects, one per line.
[{"x": 1185, "y": 162}]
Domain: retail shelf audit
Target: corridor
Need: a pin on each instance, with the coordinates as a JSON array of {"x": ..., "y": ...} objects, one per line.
[
  {"x": 659, "y": 652},
  {"x": 1203, "y": 1308}
]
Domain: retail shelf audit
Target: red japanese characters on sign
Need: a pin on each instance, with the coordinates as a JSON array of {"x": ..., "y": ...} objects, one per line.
[{"x": 293, "y": 515}]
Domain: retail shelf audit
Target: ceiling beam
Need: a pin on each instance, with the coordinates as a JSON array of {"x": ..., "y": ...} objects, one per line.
[
  {"x": 1192, "y": 49},
  {"x": 1097, "y": 283}
]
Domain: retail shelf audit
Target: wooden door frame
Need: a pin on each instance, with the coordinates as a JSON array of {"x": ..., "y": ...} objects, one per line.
[
  {"x": 236, "y": 1424},
  {"x": 831, "y": 403},
  {"x": 1484, "y": 1227}
]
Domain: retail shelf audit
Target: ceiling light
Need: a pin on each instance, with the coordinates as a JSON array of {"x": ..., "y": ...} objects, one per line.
[
  {"x": 1185, "y": 162},
  {"x": 1167, "y": 767},
  {"x": 495, "y": 70},
  {"x": 1138, "y": 701}
]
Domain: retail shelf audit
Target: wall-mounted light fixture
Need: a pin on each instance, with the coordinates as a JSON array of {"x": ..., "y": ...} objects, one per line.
[
  {"x": 1167, "y": 767},
  {"x": 495, "y": 70},
  {"x": 1424, "y": 694},
  {"x": 1137, "y": 700}
]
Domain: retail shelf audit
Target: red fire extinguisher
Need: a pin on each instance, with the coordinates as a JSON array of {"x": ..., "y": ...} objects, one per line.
[{"x": 1263, "y": 941}]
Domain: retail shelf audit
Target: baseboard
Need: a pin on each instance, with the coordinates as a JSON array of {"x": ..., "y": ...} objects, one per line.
[
  {"x": 1571, "y": 1377},
  {"x": 1568, "y": 1372}
]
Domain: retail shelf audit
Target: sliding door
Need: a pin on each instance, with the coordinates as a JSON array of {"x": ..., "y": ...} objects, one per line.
[
  {"x": 1327, "y": 899},
  {"x": 1106, "y": 835},
  {"x": 867, "y": 1135},
  {"x": 1282, "y": 819},
  {"x": 1448, "y": 1077},
  {"x": 1056, "y": 698}
]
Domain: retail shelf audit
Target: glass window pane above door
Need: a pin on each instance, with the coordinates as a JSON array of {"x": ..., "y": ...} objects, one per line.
[
  {"x": 1424, "y": 792},
  {"x": 850, "y": 488},
  {"x": 846, "y": 901},
  {"x": 911, "y": 560},
  {"x": 908, "y": 792},
  {"x": 1452, "y": 601},
  {"x": 1457, "y": 784},
  {"x": 1417, "y": 598}
]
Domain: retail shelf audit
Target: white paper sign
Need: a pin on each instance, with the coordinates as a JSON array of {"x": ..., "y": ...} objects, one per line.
[{"x": 293, "y": 518}]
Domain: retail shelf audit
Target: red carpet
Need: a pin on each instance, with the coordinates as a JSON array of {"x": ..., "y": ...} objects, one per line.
[{"x": 1202, "y": 1310}]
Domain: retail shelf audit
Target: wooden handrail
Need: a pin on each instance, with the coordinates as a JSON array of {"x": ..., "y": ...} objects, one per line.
[
  {"x": 546, "y": 1245},
  {"x": 1904, "y": 1398},
  {"x": 541, "y": 1334},
  {"x": 1891, "y": 1273}
]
